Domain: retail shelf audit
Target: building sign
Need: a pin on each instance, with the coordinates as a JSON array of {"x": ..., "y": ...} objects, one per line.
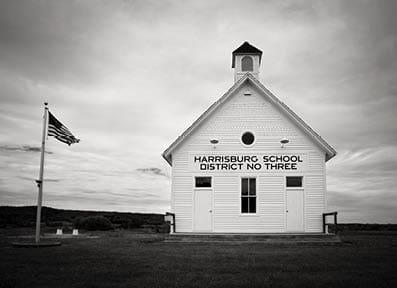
[{"x": 247, "y": 162}]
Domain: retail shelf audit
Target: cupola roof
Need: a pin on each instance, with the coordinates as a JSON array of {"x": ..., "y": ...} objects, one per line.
[{"x": 246, "y": 48}]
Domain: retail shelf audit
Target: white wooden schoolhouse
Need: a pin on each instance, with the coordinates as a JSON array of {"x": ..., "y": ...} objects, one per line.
[{"x": 248, "y": 164}]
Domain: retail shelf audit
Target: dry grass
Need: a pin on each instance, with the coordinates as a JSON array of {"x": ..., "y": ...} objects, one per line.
[{"x": 125, "y": 259}]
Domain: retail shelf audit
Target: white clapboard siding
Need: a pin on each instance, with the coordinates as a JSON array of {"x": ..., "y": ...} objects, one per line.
[
  {"x": 314, "y": 202},
  {"x": 227, "y": 216},
  {"x": 239, "y": 114}
]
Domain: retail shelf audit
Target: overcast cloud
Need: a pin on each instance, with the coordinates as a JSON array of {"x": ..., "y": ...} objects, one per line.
[{"x": 127, "y": 77}]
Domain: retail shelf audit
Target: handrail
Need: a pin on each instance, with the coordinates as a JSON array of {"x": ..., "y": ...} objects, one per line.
[
  {"x": 173, "y": 220},
  {"x": 335, "y": 220}
]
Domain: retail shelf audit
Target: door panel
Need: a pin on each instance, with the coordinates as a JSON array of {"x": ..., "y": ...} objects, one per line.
[
  {"x": 295, "y": 212},
  {"x": 203, "y": 210}
]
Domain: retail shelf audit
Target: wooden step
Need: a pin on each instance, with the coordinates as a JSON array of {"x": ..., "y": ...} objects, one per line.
[{"x": 253, "y": 238}]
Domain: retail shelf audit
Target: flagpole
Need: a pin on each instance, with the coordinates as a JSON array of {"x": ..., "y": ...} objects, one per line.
[{"x": 40, "y": 181}]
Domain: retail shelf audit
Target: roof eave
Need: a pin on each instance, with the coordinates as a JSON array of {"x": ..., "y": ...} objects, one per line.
[
  {"x": 248, "y": 53},
  {"x": 167, "y": 158},
  {"x": 329, "y": 156}
]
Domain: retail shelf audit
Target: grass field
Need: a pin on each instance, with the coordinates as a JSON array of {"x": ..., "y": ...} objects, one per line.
[{"x": 127, "y": 259}]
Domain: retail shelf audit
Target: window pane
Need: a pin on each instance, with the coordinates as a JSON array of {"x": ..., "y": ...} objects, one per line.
[
  {"x": 244, "y": 186},
  {"x": 252, "y": 204},
  {"x": 244, "y": 204},
  {"x": 203, "y": 182},
  {"x": 248, "y": 138},
  {"x": 294, "y": 181},
  {"x": 252, "y": 186},
  {"x": 247, "y": 64}
]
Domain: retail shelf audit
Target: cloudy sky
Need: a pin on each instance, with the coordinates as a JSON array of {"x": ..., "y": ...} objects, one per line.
[{"x": 127, "y": 77}]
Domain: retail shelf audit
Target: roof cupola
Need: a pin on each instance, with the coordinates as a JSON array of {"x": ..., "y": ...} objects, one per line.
[{"x": 246, "y": 59}]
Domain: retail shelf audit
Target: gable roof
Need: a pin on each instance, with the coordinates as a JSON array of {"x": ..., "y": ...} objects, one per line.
[
  {"x": 329, "y": 151},
  {"x": 246, "y": 48}
]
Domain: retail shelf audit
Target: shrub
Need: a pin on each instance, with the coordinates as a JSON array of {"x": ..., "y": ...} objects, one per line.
[
  {"x": 92, "y": 223},
  {"x": 164, "y": 228},
  {"x": 132, "y": 223}
]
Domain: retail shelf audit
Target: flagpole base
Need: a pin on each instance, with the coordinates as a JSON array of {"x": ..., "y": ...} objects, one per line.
[{"x": 37, "y": 244}]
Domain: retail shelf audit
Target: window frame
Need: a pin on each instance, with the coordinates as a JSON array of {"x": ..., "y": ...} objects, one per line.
[
  {"x": 205, "y": 176},
  {"x": 294, "y": 187},
  {"x": 252, "y": 63},
  {"x": 248, "y": 196},
  {"x": 247, "y": 145}
]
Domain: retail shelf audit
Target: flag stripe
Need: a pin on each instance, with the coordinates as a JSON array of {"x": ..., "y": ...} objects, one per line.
[
  {"x": 59, "y": 131},
  {"x": 54, "y": 132}
]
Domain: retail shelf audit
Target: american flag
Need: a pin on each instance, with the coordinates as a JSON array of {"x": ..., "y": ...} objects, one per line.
[{"x": 59, "y": 131}]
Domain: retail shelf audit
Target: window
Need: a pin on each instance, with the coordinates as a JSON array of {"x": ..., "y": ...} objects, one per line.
[
  {"x": 248, "y": 138},
  {"x": 294, "y": 181},
  {"x": 203, "y": 182},
  {"x": 248, "y": 195},
  {"x": 246, "y": 64}
]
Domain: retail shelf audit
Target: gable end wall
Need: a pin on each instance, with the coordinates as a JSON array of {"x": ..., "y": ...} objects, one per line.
[{"x": 238, "y": 114}]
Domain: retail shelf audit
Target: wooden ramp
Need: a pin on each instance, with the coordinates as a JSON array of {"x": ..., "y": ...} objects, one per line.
[{"x": 281, "y": 239}]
